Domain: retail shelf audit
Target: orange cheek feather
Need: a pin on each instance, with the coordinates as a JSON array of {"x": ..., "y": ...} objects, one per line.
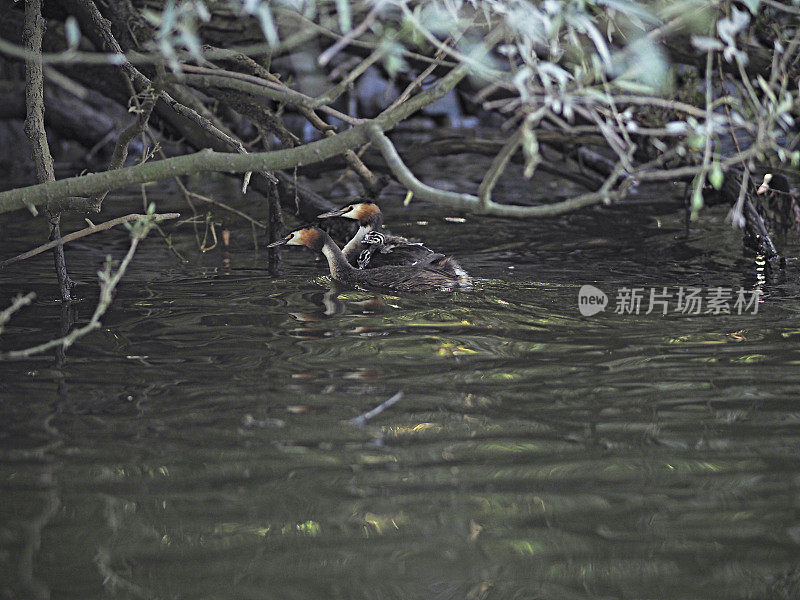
[
  {"x": 307, "y": 237},
  {"x": 367, "y": 211}
]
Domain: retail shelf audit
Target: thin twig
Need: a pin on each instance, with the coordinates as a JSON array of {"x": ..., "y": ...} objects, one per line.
[
  {"x": 16, "y": 304},
  {"x": 167, "y": 239},
  {"x": 498, "y": 166},
  {"x": 208, "y": 160},
  {"x": 224, "y": 206},
  {"x": 736, "y": 213},
  {"x": 340, "y": 88},
  {"x": 120, "y": 153},
  {"x": 249, "y": 84},
  {"x": 419, "y": 79},
  {"x": 108, "y": 283},
  {"x": 474, "y": 62},
  {"x": 471, "y": 202},
  {"x": 371, "y": 183},
  {"x": 115, "y": 582},
  {"x": 700, "y": 178},
  {"x": 117, "y": 57},
  {"x": 309, "y": 29},
  {"x": 351, "y": 35},
  {"x": 177, "y": 180},
  {"x": 209, "y": 226},
  {"x": 362, "y": 419},
  {"x": 87, "y": 231},
  {"x": 781, "y": 6}
]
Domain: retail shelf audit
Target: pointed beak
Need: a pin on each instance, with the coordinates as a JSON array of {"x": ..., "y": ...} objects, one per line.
[
  {"x": 280, "y": 242},
  {"x": 333, "y": 213}
]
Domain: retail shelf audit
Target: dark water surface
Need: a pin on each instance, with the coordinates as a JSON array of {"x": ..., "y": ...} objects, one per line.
[{"x": 198, "y": 445}]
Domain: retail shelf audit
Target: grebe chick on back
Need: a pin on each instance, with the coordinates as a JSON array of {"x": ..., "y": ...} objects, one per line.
[
  {"x": 369, "y": 219},
  {"x": 436, "y": 274},
  {"x": 372, "y": 246}
]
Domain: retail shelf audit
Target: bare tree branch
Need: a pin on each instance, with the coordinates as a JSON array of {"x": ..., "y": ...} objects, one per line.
[
  {"x": 71, "y": 237},
  {"x": 208, "y": 160},
  {"x": 34, "y": 129},
  {"x": 109, "y": 279},
  {"x": 16, "y": 304},
  {"x": 473, "y": 203}
]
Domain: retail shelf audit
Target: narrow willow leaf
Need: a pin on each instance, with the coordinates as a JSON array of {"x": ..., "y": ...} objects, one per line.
[
  {"x": 202, "y": 12},
  {"x": 167, "y": 18},
  {"x": 697, "y": 197},
  {"x": 393, "y": 60},
  {"x": 530, "y": 148},
  {"x": 677, "y": 127},
  {"x": 752, "y": 5},
  {"x": 634, "y": 9},
  {"x": 267, "y": 25},
  {"x": 715, "y": 176},
  {"x": 152, "y": 17},
  {"x": 599, "y": 43},
  {"x": 72, "y": 31},
  {"x": 632, "y": 86},
  {"x": 343, "y": 11},
  {"x": 191, "y": 40},
  {"x": 704, "y": 44}
]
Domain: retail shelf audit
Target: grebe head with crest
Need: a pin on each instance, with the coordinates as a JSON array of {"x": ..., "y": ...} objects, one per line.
[
  {"x": 308, "y": 236},
  {"x": 366, "y": 212}
]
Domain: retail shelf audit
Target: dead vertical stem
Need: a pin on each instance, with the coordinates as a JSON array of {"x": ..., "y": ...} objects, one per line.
[
  {"x": 34, "y": 129},
  {"x": 275, "y": 228}
]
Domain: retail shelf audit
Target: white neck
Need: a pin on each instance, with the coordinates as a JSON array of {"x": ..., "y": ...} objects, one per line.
[{"x": 353, "y": 248}]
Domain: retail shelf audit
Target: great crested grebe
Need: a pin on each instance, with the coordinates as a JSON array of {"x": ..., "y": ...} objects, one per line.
[
  {"x": 434, "y": 274},
  {"x": 372, "y": 247}
]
